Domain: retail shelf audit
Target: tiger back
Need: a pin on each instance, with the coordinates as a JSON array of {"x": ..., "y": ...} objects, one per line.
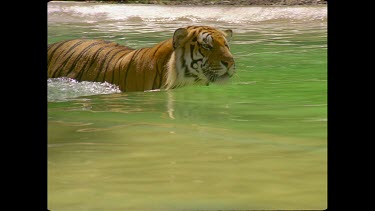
[{"x": 194, "y": 55}]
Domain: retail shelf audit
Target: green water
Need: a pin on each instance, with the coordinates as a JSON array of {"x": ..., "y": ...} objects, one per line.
[{"x": 258, "y": 142}]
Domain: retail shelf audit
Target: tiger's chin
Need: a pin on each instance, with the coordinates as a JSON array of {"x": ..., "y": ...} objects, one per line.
[{"x": 222, "y": 79}]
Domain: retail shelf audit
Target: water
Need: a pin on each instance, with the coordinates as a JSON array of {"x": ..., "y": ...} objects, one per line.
[{"x": 258, "y": 142}]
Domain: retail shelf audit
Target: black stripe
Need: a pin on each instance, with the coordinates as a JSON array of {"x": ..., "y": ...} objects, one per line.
[
  {"x": 183, "y": 66},
  {"x": 200, "y": 51},
  {"x": 144, "y": 72},
  {"x": 54, "y": 50},
  {"x": 143, "y": 53},
  {"x": 110, "y": 60},
  {"x": 183, "y": 62},
  {"x": 131, "y": 60},
  {"x": 51, "y": 45},
  {"x": 205, "y": 33},
  {"x": 119, "y": 73},
  {"x": 102, "y": 63},
  {"x": 192, "y": 51},
  {"x": 92, "y": 61},
  {"x": 114, "y": 67},
  {"x": 74, "y": 46},
  {"x": 80, "y": 55},
  {"x": 161, "y": 45},
  {"x": 156, "y": 76},
  {"x": 199, "y": 31},
  {"x": 195, "y": 61},
  {"x": 59, "y": 69},
  {"x": 157, "y": 67}
]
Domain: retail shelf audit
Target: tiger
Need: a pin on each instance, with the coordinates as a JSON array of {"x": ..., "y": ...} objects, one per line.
[{"x": 194, "y": 55}]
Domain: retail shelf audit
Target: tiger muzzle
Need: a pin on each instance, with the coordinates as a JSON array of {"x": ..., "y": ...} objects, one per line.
[{"x": 228, "y": 64}]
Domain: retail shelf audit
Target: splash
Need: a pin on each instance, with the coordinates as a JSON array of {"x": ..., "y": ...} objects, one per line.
[{"x": 64, "y": 89}]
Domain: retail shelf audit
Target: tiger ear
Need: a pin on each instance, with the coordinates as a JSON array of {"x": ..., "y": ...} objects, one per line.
[
  {"x": 229, "y": 33},
  {"x": 178, "y": 36}
]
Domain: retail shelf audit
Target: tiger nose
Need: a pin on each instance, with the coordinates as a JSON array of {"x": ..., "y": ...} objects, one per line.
[{"x": 228, "y": 64}]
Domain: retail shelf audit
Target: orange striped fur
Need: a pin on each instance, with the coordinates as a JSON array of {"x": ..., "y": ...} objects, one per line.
[{"x": 194, "y": 55}]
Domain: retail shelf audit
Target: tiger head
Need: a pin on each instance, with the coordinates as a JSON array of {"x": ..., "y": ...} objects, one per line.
[{"x": 201, "y": 55}]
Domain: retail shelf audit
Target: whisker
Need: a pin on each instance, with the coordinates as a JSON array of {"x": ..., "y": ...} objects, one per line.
[
  {"x": 236, "y": 78},
  {"x": 218, "y": 68}
]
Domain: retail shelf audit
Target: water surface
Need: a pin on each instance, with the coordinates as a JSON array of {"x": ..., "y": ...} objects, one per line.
[{"x": 258, "y": 142}]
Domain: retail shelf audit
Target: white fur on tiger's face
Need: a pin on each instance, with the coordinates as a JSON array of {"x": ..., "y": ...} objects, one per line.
[{"x": 201, "y": 55}]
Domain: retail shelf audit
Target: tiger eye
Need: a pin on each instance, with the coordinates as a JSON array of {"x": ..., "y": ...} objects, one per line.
[{"x": 206, "y": 46}]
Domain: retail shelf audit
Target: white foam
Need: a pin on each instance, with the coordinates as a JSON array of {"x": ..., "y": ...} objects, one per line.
[
  {"x": 158, "y": 13},
  {"x": 63, "y": 89}
]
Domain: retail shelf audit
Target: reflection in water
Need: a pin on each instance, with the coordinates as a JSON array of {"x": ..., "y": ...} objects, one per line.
[
  {"x": 184, "y": 166},
  {"x": 170, "y": 105},
  {"x": 183, "y": 152}
]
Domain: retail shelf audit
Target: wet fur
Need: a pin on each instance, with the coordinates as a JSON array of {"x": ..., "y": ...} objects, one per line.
[{"x": 167, "y": 65}]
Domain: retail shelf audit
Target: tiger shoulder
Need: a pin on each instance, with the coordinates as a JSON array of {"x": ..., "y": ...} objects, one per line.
[{"x": 194, "y": 55}]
